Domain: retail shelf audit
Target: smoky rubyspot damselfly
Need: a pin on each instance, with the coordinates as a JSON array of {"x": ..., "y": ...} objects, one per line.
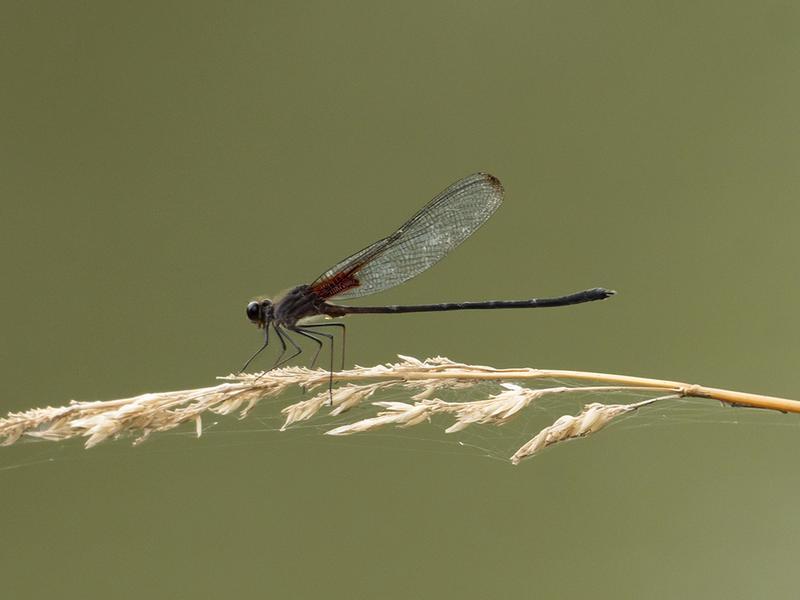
[{"x": 423, "y": 240}]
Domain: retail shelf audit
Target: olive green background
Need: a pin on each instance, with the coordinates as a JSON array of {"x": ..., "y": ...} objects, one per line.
[{"x": 162, "y": 163}]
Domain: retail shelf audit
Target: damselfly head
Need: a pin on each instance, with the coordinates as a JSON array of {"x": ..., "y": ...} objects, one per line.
[{"x": 259, "y": 312}]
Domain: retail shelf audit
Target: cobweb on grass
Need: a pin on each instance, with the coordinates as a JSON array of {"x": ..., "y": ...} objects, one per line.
[
  {"x": 263, "y": 428},
  {"x": 500, "y": 442},
  {"x": 486, "y": 414}
]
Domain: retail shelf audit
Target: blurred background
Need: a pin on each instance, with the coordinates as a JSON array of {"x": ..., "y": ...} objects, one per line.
[{"x": 165, "y": 163}]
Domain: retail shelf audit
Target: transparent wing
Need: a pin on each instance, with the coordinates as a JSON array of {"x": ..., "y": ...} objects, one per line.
[{"x": 423, "y": 240}]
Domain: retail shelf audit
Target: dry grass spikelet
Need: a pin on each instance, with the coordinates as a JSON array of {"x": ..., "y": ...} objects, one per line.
[
  {"x": 592, "y": 418},
  {"x": 143, "y": 415}
]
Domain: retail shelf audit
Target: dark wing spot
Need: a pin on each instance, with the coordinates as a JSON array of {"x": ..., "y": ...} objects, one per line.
[{"x": 494, "y": 182}]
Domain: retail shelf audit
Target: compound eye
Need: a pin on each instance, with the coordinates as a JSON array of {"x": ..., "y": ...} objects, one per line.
[{"x": 254, "y": 312}]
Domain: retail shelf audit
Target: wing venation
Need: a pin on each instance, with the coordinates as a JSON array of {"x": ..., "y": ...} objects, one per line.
[{"x": 422, "y": 241}]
